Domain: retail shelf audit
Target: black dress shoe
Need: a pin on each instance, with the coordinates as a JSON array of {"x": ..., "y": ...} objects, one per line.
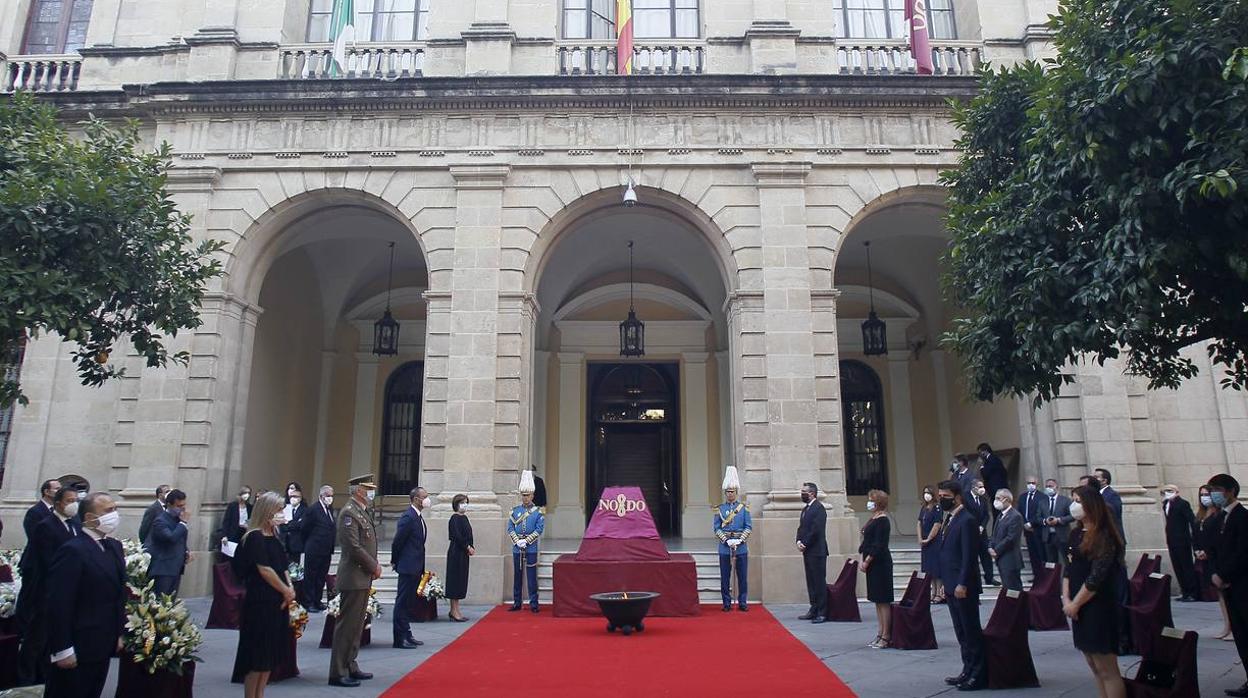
[
  {"x": 345, "y": 682},
  {"x": 818, "y": 619},
  {"x": 517, "y": 607},
  {"x": 726, "y": 609},
  {"x": 414, "y": 641},
  {"x": 1238, "y": 692},
  {"x": 534, "y": 609},
  {"x": 972, "y": 685},
  {"x": 743, "y": 608},
  {"x": 955, "y": 680},
  {"x": 361, "y": 675},
  {"x": 405, "y": 645},
  {"x": 806, "y": 616}
]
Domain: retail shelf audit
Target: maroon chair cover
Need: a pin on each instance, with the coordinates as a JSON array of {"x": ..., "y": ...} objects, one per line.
[
  {"x": 1168, "y": 668},
  {"x": 8, "y": 661},
  {"x": 1044, "y": 601},
  {"x": 227, "y": 598},
  {"x": 133, "y": 680},
  {"x": 6, "y": 574},
  {"x": 843, "y": 595},
  {"x": 422, "y": 610},
  {"x": 331, "y": 586},
  {"x": 1150, "y": 611},
  {"x": 912, "y": 616},
  {"x": 1005, "y": 641},
  {"x": 327, "y": 635},
  {"x": 288, "y": 664},
  {"x": 1148, "y": 565},
  {"x": 1208, "y": 592}
]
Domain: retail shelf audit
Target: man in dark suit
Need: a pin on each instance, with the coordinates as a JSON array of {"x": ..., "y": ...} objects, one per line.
[
  {"x": 1007, "y": 539},
  {"x": 812, "y": 541},
  {"x": 167, "y": 545},
  {"x": 1112, "y": 498},
  {"x": 1181, "y": 530},
  {"x": 86, "y": 604},
  {"x": 539, "y": 490},
  {"x": 976, "y": 502},
  {"x": 317, "y": 529},
  {"x": 49, "y": 535},
  {"x": 963, "y": 473},
  {"x": 41, "y": 509},
  {"x": 992, "y": 470},
  {"x": 1055, "y": 519},
  {"x": 959, "y": 546},
  {"x": 291, "y": 530},
  {"x": 153, "y": 510},
  {"x": 1230, "y": 564},
  {"x": 1029, "y": 507},
  {"x": 407, "y": 557}
]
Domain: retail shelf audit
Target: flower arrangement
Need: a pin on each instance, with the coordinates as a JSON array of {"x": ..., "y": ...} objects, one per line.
[
  {"x": 137, "y": 562},
  {"x": 9, "y": 590},
  {"x": 295, "y": 572},
  {"x": 298, "y": 619},
  {"x": 373, "y": 609},
  {"x": 159, "y": 633},
  {"x": 431, "y": 587},
  {"x": 12, "y": 558},
  {"x": 333, "y": 607}
]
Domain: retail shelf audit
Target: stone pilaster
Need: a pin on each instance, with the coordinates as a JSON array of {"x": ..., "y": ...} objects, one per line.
[
  {"x": 697, "y": 458},
  {"x": 214, "y": 47}
]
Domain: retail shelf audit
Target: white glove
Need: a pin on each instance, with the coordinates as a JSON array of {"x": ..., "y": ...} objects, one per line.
[
  {"x": 734, "y": 542},
  {"x": 522, "y": 544}
]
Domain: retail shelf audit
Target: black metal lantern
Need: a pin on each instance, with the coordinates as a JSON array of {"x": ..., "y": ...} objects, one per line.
[
  {"x": 386, "y": 330},
  {"x": 632, "y": 330},
  {"x": 874, "y": 332}
]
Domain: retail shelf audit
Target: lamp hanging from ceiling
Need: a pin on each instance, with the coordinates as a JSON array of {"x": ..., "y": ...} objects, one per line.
[
  {"x": 632, "y": 330},
  {"x": 874, "y": 334},
  {"x": 386, "y": 330}
]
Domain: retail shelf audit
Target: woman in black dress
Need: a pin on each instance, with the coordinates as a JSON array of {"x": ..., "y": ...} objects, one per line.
[
  {"x": 457, "y": 554},
  {"x": 877, "y": 564},
  {"x": 930, "y": 517},
  {"x": 260, "y": 563},
  {"x": 1208, "y": 523},
  {"x": 1094, "y": 564}
]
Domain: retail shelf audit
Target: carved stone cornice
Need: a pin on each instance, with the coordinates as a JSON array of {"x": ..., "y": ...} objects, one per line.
[
  {"x": 781, "y": 174},
  {"x": 192, "y": 179},
  {"x": 480, "y": 176}
]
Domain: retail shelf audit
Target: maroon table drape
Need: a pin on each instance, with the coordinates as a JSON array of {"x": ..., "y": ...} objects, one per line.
[
  {"x": 1168, "y": 668},
  {"x": 227, "y": 599},
  {"x": 1044, "y": 601},
  {"x": 1150, "y": 611},
  {"x": 675, "y": 579},
  {"x": 843, "y": 595},
  {"x": 327, "y": 635},
  {"x": 6, "y": 574},
  {"x": 133, "y": 680},
  {"x": 422, "y": 610},
  {"x": 8, "y": 660},
  {"x": 1005, "y": 641},
  {"x": 912, "y": 616}
]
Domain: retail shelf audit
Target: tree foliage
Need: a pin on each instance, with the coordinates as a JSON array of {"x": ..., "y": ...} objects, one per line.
[
  {"x": 1100, "y": 205},
  {"x": 91, "y": 245}
]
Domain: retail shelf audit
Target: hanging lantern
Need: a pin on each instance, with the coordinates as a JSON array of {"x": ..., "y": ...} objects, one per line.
[
  {"x": 386, "y": 330},
  {"x": 874, "y": 332},
  {"x": 632, "y": 330}
]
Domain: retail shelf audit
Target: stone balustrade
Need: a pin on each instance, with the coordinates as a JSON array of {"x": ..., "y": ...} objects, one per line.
[
  {"x": 893, "y": 58},
  {"x": 382, "y": 61},
  {"x": 658, "y": 59},
  {"x": 40, "y": 73}
]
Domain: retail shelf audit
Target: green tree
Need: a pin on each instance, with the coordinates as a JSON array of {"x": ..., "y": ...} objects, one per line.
[
  {"x": 91, "y": 245},
  {"x": 1100, "y": 204}
]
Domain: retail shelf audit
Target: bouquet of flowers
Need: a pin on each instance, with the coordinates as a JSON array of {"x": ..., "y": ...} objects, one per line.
[
  {"x": 12, "y": 558},
  {"x": 298, "y": 619},
  {"x": 332, "y": 608},
  {"x": 373, "y": 609},
  {"x": 137, "y": 562},
  {"x": 10, "y": 590},
  {"x": 295, "y": 571},
  {"x": 159, "y": 633},
  {"x": 431, "y": 587}
]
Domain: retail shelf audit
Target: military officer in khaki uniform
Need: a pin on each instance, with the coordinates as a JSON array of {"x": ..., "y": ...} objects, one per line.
[{"x": 357, "y": 568}]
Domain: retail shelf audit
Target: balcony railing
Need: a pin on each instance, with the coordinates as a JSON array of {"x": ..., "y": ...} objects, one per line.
[
  {"x": 382, "y": 61},
  {"x": 864, "y": 56},
  {"x": 40, "y": 73},
  {"x": 650, "y": 59}
]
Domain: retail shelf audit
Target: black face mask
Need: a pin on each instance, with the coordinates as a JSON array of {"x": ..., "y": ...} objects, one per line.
[
  {"x": 805, "y": 498},
  {"x": 947, "y": 503}
]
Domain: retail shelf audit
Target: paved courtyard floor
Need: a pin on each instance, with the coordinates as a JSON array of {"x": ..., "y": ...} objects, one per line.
[{"x": 841, "y": 646}]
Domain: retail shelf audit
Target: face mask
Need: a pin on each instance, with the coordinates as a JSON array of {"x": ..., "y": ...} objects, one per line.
[
  {"x": 953, "y": 467},
  {"x": 927, "y": 496},
  {"x": 1076, "y": 510},
  {"x": 294, "y": 501},
  {"x": 998, "y": 505},
  {"x": 1205, "y": 500},
  {"x": 981, "y": 491},
  {"x": 327, "y": 500},
  {"x": 870, "y": 506},
  {"x": 1050, "y": 491},
  {"x": 463, "y": 508},
  {"x": 1169, "y": 495},
  {"x": 371, "y": 495},
  {"x": 71, "y": 510},
  {"x": 947, "y": 503},
  {"x": 245, "y": 496},
  {"x": 426, "y": 503},
  {"x": 1031, "y": 487},
  {"x": 805, "y": 498},
  {"x": 1218, "y": 499},
  {"x": 107, "y": 523}
]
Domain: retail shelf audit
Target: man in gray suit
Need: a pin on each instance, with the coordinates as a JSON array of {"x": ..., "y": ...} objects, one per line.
[
  {"x": 1007, "y": 539},
  {"x": 1055, "y": 515},
  {"x": 153, "y": 510}
]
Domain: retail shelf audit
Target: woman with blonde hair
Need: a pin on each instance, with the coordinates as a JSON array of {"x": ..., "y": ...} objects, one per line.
[
  {"x": 877, "y": 564},
  {"x": 260, "y": 563}
]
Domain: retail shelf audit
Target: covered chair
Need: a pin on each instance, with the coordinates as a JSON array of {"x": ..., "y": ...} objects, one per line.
[
  {"x": 912, "y": 616},
  {"x": 1167, "y": 667},
  {"x": 1150, "y": 611},
  {"x": 843, "y": 595},
  {"x": 1005, "y": 642},
  {"x": 1044, "y": 601},
  {"x": 1208, "y": 592},
  {"x": 1148, "y": 565},
  {"x": 227, "y": 598}
]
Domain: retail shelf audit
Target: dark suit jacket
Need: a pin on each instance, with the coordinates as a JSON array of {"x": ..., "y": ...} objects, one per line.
[
  {"x": 539, "y": 491},
  {"x": 229, "y": 524},
  {"x": 812, "y": 529},
  {"x": 49, "y": 536},
  {"x": 316, "y": 530},
  {"x": 149, "y": 515},
  {"x": 87, "y": 598},
  {"x": 407, "y": 552},
  {"x": 1114, "y": 500},
  {"x": 34, "y": 516},
  {"x": 959, "y": 553},
  {"x": 1029, "y": 506},
  {"x": 994, "y": 475},
  {"x": 1230, "y": 558},
  {"x": 1007, "y": 540},
  {"x": 167, "y": 545},
  {"x": 293, "y": 530},
  {"x": 978, "y": 509},
  {"x": 1181, "y": 529},
  {"x": 964, "y": 479}
]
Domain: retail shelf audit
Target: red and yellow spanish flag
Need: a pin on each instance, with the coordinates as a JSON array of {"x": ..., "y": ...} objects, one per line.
[{"x": 624, "y": 37}]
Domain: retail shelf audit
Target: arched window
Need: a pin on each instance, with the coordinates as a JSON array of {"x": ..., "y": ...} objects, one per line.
[
  {"x": 375, "y": 20},
  {"x": 400, "y": 429},
  {"x": 862, "y": 400},
  {"x": 885, "y": 19},
  {"x": 652, "y": 19},
  {"x": 57, "y": 26},
  {"x": 10, "y": 367}
]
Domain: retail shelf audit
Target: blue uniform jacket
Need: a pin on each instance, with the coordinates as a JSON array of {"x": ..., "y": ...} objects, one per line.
[
  {"x": 732, "y": 521},
  {"x": 527, "y": 524}
]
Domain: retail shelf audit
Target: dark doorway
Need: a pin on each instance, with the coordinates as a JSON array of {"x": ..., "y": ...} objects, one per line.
[
  {"x": 634, "y": 436},
  {"x": 862, "y": 421},
  {"x": 400, "y": 429}
]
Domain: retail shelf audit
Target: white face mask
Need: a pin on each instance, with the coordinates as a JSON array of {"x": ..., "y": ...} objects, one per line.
[
  {"x": 981, "y": 491},
  {"x": 998, "y": 505},
  {"x": 294, "y": 501},
  {"x": 1169, "y": 494},
  {"x": 327, "y": 500},
  {"x": 1031, "y": 487},
  {"x": 463, "y": 508},
  {"x": 1050, "y": 491},
  {"x": 107, "y": 523},
  {"x": 1206, "y": 500},
  {"x": 927, "y": 496},
  {"x": 71, "y": 510},
  {"x": 1076, "y": 511},
  {"x": 870, "y": 506},
  {"x": 370, "y": 495},
  {"x": 426, "y": 503}
]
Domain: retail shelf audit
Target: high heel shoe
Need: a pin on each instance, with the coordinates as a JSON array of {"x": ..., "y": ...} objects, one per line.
[
  {"x": 460, "y": 619},
  {"x": 874, "y": 642}
]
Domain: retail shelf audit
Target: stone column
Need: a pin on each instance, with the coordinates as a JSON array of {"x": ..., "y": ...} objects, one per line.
[
  {"x": 905, "y": 490},
  {"x": 568, "y": 518},
  {"x": 696, "y": 512},
  {"x": 322, "y": 421},
  {"x": 362, "y": 458}
]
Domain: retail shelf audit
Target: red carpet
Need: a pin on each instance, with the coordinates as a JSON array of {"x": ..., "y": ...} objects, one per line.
[{"x": 740, "y": 654}]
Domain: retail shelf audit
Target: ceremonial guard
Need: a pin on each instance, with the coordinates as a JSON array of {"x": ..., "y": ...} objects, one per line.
[
  {"x": 525, "y": 526},
  {"x": 357, "y": 568},
  {"x": 732, "y": 528}
]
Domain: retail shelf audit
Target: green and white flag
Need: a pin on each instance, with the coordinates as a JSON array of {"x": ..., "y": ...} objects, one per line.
[{"x": 342, "y": 31}]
